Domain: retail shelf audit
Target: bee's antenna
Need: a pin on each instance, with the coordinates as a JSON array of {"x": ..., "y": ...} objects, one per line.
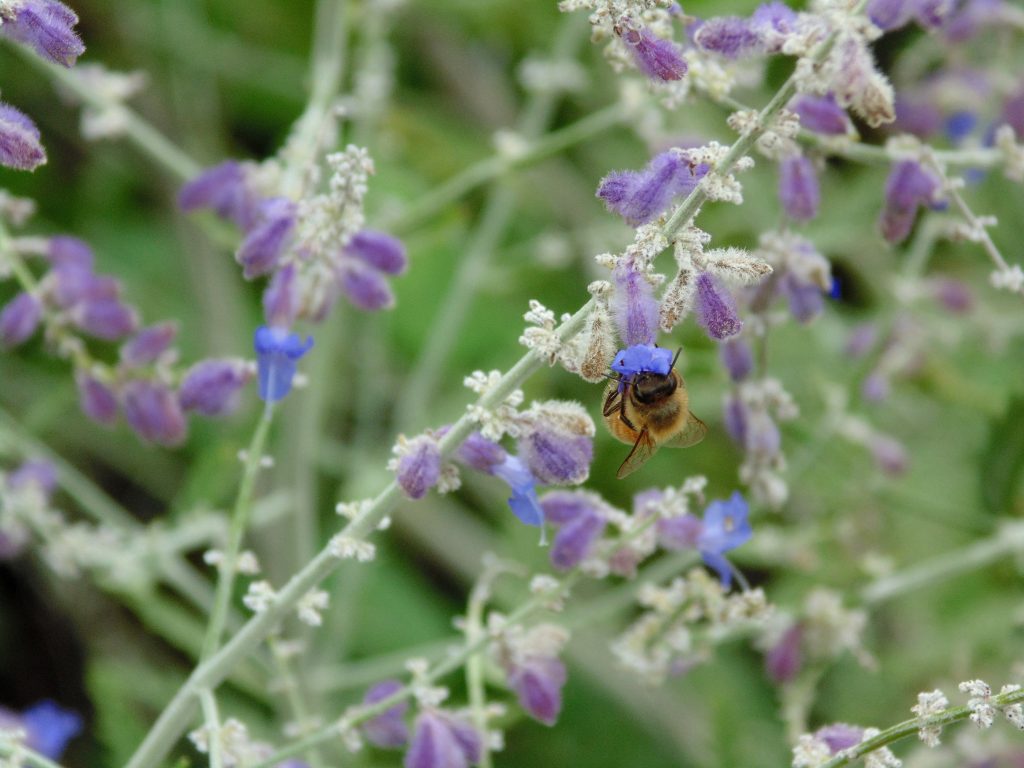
[{"x": 678, "y": 353}]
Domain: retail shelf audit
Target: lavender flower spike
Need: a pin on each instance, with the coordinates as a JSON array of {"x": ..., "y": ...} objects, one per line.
[
  {"x": 212, "y": 387},
  {"x": 19, "y": 139},
  {"x": 715, "y": 310},
  {"x": 641, "y": 196},
  {"x": 657, "y": 58},
  {"x": 45, "y": 25},
  {"x": 729, "y": 36},
  {"x": 633, "y": 305},
  {"x": 153, "y": 411},
  {"x": 19, "y": 319},
  {"x": 799, "y": 190},
  {"x": 388, "y": 729},
  {"x": 277, "y": 352}
]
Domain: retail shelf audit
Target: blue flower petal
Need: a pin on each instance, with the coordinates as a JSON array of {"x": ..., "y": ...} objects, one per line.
[
  {"x": 720, "y": 565},
  {"x": 643, "y": 357},
  {"x": 276, "y": 353},
  {"x": 523, "y": 502}
]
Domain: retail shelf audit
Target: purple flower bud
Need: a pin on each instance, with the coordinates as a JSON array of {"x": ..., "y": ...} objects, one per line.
[
  {"x": 729, "y": 36},
  {"x": 773, "y": 21},
  {"x": 784, "y": 660},
  {"x": 96, "y": 399},
  {"x": 277, "y": 352},
  {"x": 148, "y": 344},
  {"x": 641, "y": 196},
  {"x": 441, "y": 740},
  {"x": 680, "y": 532},
  {"x": 799, "y": 190},
  {"x": 633, "y": 306},
  {"x": 19, "y": 139},
  {"x": 875, "y": 388},
  {"x": 34, "y": 472},
  {"x": 890, "y": 14},
  {"x": 657, "y": 58},
  {"x": 419, "y": 467},
  {"x": 954, "y": 295},
  {"x": 75, "y": 284},
  {"x": 281, "y": 299},
  {"x": 538, "y": 686},
  {"x": 821, "y": 114},
  {"x": 908, "y": 187},
  {"x": 575, "y": 539},
  {"x": 918, "y": 116},
  {"x": 734, "y": 415},
  {"x": 762, "y": 434},
  {"x": 562, "y": 507},
  {"x": 839, "y": 736},
  {"x": 890, "y": 455},
  {"x": 267, "y": 238},
  {"x": 67, "y": 251},
  {"x": 222, "y": 188},
  {"x": 47, "y": 26},
  {"x": 153, "y": 411},
  {"x": 19, "y": 319},
  {"x": 737, "y": 358},
  {"x": 716, "y": 312},
  {"x": 861, "y": 340},
  {"x": 805, "y": 299},
  {"x": 107, "y": 319},
  {"x": 388, "y": 729},
  {"x": 556, "y": 456},
  {"x": 48, "y": 727},
  {"x": 378, "y": 250},
  {"x": 480, "y": 453},
  {"x": 365, "y": 286},
  {"x": 213, "y": 387}
]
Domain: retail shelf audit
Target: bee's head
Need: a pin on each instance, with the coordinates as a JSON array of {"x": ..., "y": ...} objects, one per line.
[{"x": 651, "y": 387}]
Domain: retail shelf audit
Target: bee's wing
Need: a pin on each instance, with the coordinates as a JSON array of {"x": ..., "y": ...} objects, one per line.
[
  {"x": 691, "y": 434},
  {"x": 643, "y": 449}
]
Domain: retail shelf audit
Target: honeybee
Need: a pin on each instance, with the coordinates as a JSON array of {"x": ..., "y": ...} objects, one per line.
[{"x": 648, "y": 410}]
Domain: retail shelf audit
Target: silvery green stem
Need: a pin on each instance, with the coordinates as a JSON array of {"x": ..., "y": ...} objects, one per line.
[
  {"x": 27, "y": 757},
  {"x": 911, "y": 727},
  {"x": 212, "y": 718}
]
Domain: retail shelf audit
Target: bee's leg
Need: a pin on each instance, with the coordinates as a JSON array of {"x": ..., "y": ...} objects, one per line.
[{"x": 622, "y": 415}]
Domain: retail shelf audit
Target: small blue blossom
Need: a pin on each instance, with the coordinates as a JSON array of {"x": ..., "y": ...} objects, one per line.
[
  {"x": 48, "y": 727},
  {"x": 642, "y": 358},
  {"x": 523, "y": 502},
  {"x": 726, "y": 526},
  {"x": 277, "y": 351}
]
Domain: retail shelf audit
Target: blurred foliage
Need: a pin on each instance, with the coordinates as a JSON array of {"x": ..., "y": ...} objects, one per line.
[{"x": 227, "y": 78}]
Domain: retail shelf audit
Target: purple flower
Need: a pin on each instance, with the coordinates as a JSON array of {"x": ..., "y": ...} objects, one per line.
[
  {"x": 523, "y": 501},
  {"x": 556, "y": 456},
  {"x": 67, "y": 251},
  {"x": 378, "y": 250},
  {"x": 657, "y": 58},
  {"x": 580, "y": 525},
  {"x": 734, "y": 416},
  {"x": 641, "y": 196},
  {"x": 281, "y": 299},
  {"x": 96, "y": 399},
  {"x": 737, "y": 358},
  {"x": 890, "y": 14},
  {"x": 799, "y": 190},
  {"x": 76, "y": 284},
  {"x": 19, "y": 139},
  {"x": 223, "y": 189},
  {"x": 805, "y": 299},
  {"x": 876, "y": 387},
  {"x": 773, "y": 21},
  {"x": 839, "y": 736},
  {"x": 908, "y": 187},
  {"x": 153, "y": 411},
  {"x": 642, "y": 358},
  {"x": 480, "y": 453},
  {"x": 960, "y": 125},
  {"x": 633, "y": 305},
  {"x": 365, "y": 286},
  {"x": 954, "y": 295},
  {"x": 917, "y": 115},
  {"x": 716, "y": 312},
  {"x": 861, "y": 340},
  {"x": 680, "y": 532},
  {"x": 39, "y": 473},
  {"x": 388, "y": 729},
  {"x": 820, "y": 114},
  {"x": 419, "y": 467},
  {"x": 106, "y": 319},
  {"x": 729, "y": 36},
  {"x": 889, "y": 453},
  {"x": 784, "y": 660},
  {"x": 726, "y": 527},
  {"x": 47, "y": 26},
  {"x": 277, "y": 352},
  {"x": 212, "y": 387},
  {"x": 148, "y": 344},
  {"x": 538, "y": 685},
  {"x": 267, "y": 237},
  {"x": 970, "y": 16},
  {"x": 19, "y": 319},
  {"x": 442, "y": 740}
]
